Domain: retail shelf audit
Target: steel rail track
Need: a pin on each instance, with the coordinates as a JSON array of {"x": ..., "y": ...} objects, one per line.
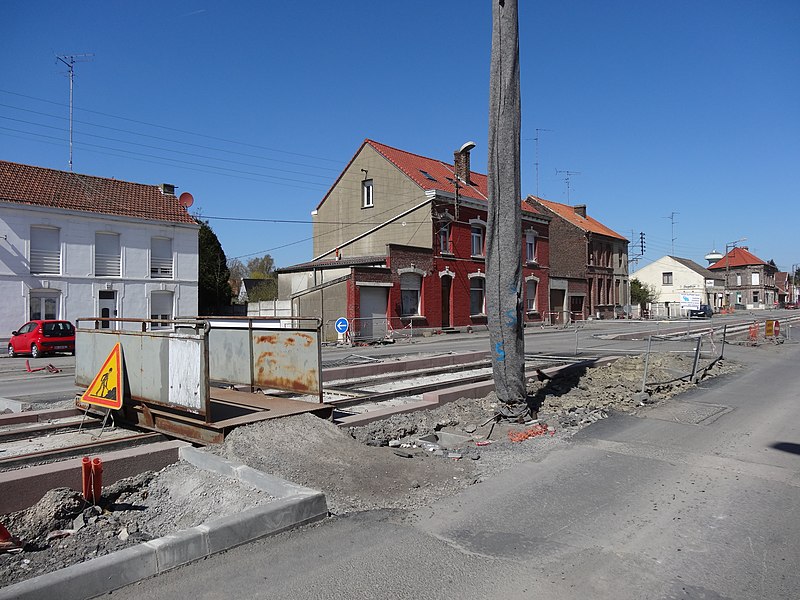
[
  {"x": 20, "y": 433},
  {"x": 76, "y": 450},
  {"x": 415, "y": 390}
]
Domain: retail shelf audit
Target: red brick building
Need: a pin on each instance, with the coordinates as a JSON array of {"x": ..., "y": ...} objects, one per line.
[
  {"x": 589, "y": 265},
  {"x": 400, "y": 244}
]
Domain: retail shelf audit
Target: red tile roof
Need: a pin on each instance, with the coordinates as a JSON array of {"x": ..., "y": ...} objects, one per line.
[
  {"x": 568, "y": 213},
  {"x": 413, "y": 165},
  {"x": 739, "y": 257},
  {"x": 442, "y": 173},
  {"x": 24, "y": 184}
]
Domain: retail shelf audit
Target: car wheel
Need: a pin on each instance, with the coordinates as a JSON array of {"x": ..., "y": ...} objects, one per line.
[
  {"x": 35, "y": 351},
  {"x": 11, "y": 351}
]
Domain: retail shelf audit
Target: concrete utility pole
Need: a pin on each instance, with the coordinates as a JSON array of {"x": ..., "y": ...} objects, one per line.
[{"x": 504, "y": 222}]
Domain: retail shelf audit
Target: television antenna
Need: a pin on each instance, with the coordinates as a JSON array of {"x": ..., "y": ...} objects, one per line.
[
  {"x": 567, "y": 175},
  {"x": 671, "y": 217},
  {"x": 70, "y": 60}
]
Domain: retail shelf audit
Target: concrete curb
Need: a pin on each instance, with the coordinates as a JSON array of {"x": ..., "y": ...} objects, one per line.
[{"x": 294, "y": 505}]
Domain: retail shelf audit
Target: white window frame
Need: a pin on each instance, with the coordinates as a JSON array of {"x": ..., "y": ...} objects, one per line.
[
  {"x": 107, "y": 264},
  {"x": 738, "y": 279},
  {"x": 45, "y": 250},
  {"x": 474, "y": 278},
  {"x": 367, "y": 194},
  {"x": 410, "y": 282},
  {"x": 530, "y": 299},
  {"x": 755, "y": 279},
  {"x": 444, "y": 239},
  {"x": 531, "y": 247},
  {"x": 161, "y": 267},
  {"x": 477, "y": 234},
  {"x": 156, "y": 304},
  {"x": 42, "y": 297}
]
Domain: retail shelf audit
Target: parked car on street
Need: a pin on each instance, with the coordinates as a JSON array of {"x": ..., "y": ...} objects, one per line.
[
  {"x": 704, "y": 312},
  {"x": 42, "y": 337}
]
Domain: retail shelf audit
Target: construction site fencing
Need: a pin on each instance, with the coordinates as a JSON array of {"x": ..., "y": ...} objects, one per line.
[
  {"x": 175, "y": 365},
  {"x": 375, "y": 329},
  {"x": 674, "y": 340},
  {"x": 563, "y": 318}
]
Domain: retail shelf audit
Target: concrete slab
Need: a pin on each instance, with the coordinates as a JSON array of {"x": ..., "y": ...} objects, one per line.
[
  {"x": 274, "y": 486},
  {"x": 179, "y": 548},
  {"x": 261, "y": 521},
  {"x": 88, "y": 579},
  {"x": 14, "y": 406}
]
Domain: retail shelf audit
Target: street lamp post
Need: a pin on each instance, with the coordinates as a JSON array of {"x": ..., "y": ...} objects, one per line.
[{"x": 730, "y": 245}]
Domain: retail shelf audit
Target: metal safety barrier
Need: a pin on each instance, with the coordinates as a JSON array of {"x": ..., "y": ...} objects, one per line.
[{"x": 174, "y": 368}]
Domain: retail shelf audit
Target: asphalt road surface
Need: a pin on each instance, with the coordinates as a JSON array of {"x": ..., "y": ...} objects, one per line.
[{"x": 700, "y": 499}]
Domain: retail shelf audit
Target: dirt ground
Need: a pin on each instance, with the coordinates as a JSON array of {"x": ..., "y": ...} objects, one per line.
[{"x": 381, "y": 465}]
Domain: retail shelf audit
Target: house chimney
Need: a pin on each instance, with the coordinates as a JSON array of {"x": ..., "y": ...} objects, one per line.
[
  {"x": 461, "y": 162},
  {"x": 167, "y": 188},
  {"x": 580, "y": 209}
]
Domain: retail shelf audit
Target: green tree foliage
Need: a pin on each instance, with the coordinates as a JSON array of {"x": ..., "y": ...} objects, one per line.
[
  {"x": 260, "y": 267},
  {"x": 267, "y": 289},
  {"x": 263, "y": 269},
  {"x": 642, "y": 293},
  {"x": 214, "y": 290}
]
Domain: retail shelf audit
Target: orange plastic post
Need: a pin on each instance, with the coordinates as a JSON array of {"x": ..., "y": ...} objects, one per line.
[
  {"x": 86, "y": 472},
  {"x": 97, "y": 479}
]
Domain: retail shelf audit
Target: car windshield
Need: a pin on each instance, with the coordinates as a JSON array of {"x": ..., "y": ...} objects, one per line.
[{"x": 60, "y": 329}]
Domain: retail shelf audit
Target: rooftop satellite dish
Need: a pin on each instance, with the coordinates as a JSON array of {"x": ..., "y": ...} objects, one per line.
[{"x": 186, "y": 199}]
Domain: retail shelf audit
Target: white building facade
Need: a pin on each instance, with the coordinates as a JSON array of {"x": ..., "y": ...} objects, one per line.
[
  {"x": 672, "y": 277},
  {"x": 74, "y": 246}
]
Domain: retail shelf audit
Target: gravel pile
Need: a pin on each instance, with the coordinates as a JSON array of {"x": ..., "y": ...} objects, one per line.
[{"x": 62, "y": 529}]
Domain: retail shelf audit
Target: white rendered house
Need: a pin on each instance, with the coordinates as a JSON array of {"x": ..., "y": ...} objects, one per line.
[
  {"x": 672, "y": 277},
  {"x": 74, "y": 246}
]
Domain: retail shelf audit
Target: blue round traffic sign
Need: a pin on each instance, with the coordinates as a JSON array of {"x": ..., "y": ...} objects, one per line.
[{"x": 342, "y": 325}]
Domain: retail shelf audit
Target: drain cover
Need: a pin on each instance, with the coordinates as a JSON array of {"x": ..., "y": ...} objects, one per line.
[{"x": 688, "y": 412}]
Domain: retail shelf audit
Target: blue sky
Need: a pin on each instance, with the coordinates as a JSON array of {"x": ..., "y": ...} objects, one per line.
[{"x": 682, "y": 109}]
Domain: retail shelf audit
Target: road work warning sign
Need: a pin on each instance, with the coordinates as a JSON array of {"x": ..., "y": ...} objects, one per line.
[{"x": 106, "y": 387}]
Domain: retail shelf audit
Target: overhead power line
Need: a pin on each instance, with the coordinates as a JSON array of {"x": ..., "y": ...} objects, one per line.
[{"x": 168, "y": 128}]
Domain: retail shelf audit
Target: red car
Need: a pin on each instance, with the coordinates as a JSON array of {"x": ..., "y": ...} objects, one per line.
[{"x": 41, "y": 337}]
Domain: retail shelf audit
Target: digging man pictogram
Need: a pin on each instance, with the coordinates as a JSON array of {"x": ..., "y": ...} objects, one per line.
[{"x": 103, "y": 390}]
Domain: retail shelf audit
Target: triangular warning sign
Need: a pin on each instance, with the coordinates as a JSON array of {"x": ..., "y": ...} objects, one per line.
[{"x": 106, "y": 388}]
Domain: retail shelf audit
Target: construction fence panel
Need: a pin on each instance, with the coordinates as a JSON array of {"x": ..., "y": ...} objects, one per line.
[
  {"x": 280, "y": 354},
  {"x": 167, "y": 368},
  {"x": 369, "y": 329}
]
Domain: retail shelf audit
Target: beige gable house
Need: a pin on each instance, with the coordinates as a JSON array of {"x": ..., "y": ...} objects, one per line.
[{"x": 672, "y": 277}]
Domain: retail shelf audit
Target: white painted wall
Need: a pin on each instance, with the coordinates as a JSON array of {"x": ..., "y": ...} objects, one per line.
[
  {"x": 684, "y": 281},
  {"x": 77, "y": 286}
]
